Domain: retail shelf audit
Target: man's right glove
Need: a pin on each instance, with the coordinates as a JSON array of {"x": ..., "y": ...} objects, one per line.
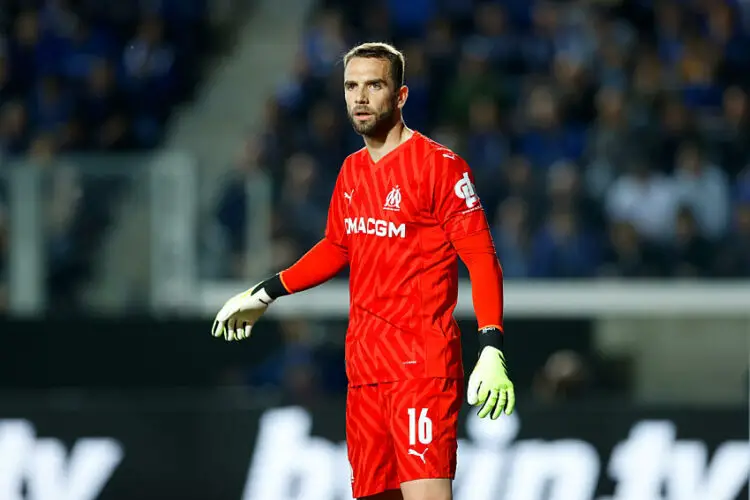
[
  {"x": 236, "y": 318},
  {"x": 489, "y": 384}
]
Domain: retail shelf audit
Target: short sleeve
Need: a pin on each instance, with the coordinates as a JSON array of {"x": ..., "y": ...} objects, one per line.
[
  {"x": 455, "y": 203},
  {"x": 335, "y": 231}
]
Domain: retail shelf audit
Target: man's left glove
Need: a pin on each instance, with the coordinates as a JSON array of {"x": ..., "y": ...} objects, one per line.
[
  {"x": 236, "y": 318},
  {"x": 489, "y": 384}
]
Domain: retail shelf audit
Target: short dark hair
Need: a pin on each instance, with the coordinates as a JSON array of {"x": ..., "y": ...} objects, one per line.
[{"x": 379, "y": 50}]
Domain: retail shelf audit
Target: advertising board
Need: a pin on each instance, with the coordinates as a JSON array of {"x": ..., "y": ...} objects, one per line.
[{"x": 52, "y": 450}]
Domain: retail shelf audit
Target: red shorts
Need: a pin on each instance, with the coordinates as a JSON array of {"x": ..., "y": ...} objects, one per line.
[{"x": 401, "y": 431}]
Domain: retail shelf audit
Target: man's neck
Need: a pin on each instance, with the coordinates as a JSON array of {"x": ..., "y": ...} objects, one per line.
[{"x": 378, "y": 147}]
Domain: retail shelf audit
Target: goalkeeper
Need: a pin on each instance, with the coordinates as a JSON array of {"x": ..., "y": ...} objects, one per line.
[{"x": 403, "y": 211}]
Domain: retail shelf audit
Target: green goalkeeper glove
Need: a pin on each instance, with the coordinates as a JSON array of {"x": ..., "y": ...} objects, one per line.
[
  {"x": 236, "y": 318},
  {"x": 489, "y": 384}
]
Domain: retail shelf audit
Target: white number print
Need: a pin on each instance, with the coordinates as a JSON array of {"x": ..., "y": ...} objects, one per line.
[{"x": 419, "y": 429}]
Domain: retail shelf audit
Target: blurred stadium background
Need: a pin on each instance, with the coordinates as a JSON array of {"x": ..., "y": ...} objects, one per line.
[{"x": 160, "y": 155}]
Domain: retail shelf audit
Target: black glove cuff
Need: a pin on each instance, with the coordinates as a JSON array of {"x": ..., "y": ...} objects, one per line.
[
  {"x": 490, "y": 336},
  {"x": 273, "y": 286}
]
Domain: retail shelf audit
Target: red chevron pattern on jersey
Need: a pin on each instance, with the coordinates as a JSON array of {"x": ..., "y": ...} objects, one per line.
[{"x": 395, "y": 219}]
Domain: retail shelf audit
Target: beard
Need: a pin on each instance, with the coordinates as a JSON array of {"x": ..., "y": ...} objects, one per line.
[{"x": 378, "y": 124}]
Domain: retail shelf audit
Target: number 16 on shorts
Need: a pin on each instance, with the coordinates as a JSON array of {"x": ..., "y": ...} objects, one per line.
[{"x": 419, "y": 428}]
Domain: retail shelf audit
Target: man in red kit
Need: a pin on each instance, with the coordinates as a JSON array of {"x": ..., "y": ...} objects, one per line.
[{"x": 403, "y": 211}]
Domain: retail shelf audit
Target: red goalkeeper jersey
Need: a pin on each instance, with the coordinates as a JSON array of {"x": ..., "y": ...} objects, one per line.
[{"x": 396, "y": 219}]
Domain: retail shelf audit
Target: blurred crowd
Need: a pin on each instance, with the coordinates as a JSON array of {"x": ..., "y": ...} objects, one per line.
[
  {"x": 88, "y": 76},
  {"x": 608, "y": 138},
  {"x": 95, "y": 75}
]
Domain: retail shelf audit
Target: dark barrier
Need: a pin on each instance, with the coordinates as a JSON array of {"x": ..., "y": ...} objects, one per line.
[
  {"x": 145, "y": 352},
  {"x": 118, "y": 449}
]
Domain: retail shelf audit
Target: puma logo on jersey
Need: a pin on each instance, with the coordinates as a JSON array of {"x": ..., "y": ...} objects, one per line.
[
  {"x": 417, "y": 454},
  {"x": 348, "y": 196},
  {"x": 376, "y": 227}
]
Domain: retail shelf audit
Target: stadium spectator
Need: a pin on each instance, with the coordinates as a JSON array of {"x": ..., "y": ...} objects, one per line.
[
  {"x": 294, "y": 368},
  {"x": 563, "y": 248},
  {"x": 702, "y": 187},
  {"x": 645, "y": 198},
  {"x": 628, "y": 255},
  {"x": 732, "y": 133},
  {"x": 14, "y": 132},
  {"x": 566, "y": 376},
  {"x": 303, "y": 213},
  {"x": 691, "y": 254},
  {"x": 733, "y": 260},
  {"x": 512, "y": 239}
]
